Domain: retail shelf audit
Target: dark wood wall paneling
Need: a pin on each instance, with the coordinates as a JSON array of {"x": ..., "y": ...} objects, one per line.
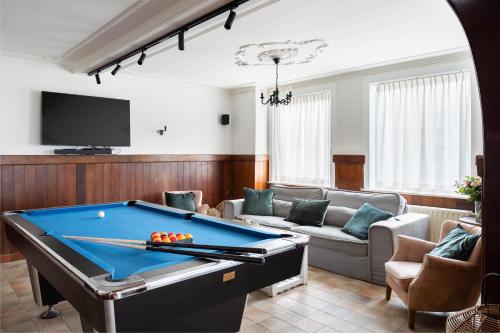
[
  {"x": 249, "y": 171},
  {"x": 479, "y": 18},
  {"x": 349, "y": 171},
  {"x": 47, "y": 181}
]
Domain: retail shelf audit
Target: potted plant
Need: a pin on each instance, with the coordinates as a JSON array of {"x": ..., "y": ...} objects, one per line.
[{"x": 471, "y": 187}]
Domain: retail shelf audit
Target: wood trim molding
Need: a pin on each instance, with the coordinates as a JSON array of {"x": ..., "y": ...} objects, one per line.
[
  {"x": 255, "y": 158},
  {"x": 64, "y": 159},
  {"x": 11, "y": 257},
  {"x": 437, "y": 201},
  {"x": 349, "y": 159}
]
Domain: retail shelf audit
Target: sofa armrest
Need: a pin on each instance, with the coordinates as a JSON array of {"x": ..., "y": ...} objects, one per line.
[
  {"x": 383, "y": 238},
  {"x": 233, "y": 208}
]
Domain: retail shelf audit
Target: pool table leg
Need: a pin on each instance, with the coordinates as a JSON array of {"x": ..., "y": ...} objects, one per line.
[
  {"x": 86, "y": 326},
  {"x": 44, "y": 293}
]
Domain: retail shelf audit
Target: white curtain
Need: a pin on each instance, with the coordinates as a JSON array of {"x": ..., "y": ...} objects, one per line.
[
  {"x": 420, "y": 133},
  {"x": 300, "y": 140}
]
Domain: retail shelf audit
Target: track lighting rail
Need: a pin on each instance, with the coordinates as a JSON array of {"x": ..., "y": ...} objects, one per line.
[{"x": 179, "y": 31}]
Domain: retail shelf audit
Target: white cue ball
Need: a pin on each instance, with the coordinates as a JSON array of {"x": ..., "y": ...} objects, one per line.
[{"x": 101, "y": 214}]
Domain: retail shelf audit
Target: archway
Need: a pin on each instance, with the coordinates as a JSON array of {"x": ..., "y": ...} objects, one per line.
[{"x": 480, "y": 20}]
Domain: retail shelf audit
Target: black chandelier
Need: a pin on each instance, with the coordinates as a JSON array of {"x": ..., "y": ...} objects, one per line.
[{"x": 274, "y": 98}]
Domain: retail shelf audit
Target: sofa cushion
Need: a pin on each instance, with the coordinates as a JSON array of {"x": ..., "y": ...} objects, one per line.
[
  {"x": 338, "y": 216},
  {"x": 258, "y": 202},
  {"x": 402, "y": 272},
  {"x": 308, "y": 212},
  {"x": 359, "y": 223},
  {"x": 390, "y": 202},
  {"x": 270, "y": 221},
  {"x": 288, "y": 193},
  {"x": 332, "y": 238},
  {"x": 281, "y": 208}
]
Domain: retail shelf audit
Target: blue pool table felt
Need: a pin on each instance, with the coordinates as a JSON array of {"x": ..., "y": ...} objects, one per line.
[{"x": 136, "y": 222}]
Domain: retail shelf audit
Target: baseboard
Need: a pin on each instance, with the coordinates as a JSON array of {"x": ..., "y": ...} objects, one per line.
[{"x": 11, "y": 257}]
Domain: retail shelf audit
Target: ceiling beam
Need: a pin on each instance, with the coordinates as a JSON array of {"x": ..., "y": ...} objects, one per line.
[{"x": 214, "y": 13}]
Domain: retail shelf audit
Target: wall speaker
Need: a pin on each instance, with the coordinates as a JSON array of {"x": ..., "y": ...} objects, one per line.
[{"x": 224, "y": 119}]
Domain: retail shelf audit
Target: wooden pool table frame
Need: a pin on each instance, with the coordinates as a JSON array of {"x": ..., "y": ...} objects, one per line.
[{"x": 196, "y": 295}]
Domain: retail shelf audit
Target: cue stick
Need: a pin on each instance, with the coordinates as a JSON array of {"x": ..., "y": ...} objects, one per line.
[
  {"x": 174, "y": 244},
  {"x": 221, "y": 256}
]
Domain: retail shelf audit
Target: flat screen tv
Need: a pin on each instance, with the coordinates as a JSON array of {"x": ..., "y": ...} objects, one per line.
[{"x": 76, "y": 120}]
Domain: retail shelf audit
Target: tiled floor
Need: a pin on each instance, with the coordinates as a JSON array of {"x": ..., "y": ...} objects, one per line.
[{"x": 329, "y": 303}]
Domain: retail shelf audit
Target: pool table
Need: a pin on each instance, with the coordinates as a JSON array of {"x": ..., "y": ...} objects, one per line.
[{"x": 118, "y": 289}]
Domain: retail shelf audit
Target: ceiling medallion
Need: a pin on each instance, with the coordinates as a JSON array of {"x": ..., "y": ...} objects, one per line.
[
  {"x": 288, "y": 52},
  {"x": 284, "y": 53}
]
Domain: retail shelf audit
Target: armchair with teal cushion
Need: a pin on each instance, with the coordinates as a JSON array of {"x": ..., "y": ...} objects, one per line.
[{"x": 426, "y": 282}]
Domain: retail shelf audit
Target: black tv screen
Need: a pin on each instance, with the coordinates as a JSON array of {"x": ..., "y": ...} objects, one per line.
[{"x": 76, "y": 120}]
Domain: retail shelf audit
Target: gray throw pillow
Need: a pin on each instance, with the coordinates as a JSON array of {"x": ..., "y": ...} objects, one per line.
[
  {"x": 258, "y": 202},
  {"x": 308, "y": 212}
]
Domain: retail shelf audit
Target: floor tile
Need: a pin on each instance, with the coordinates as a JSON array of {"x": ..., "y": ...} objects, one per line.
[
  {"x": 274, "y": 324},
  {"x": 308, "y": 325},
  {"x": 330, "y": 303}
]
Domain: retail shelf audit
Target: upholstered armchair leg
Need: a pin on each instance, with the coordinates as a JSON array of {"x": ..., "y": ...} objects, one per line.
[
  {"x": 411, "y": 319},
  {"x": 388, "y": 292}
]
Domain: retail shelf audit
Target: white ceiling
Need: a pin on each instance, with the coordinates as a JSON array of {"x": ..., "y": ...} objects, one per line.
[
  {"x": 361, "y": 33},
  {"x": 49, "y": 28}
]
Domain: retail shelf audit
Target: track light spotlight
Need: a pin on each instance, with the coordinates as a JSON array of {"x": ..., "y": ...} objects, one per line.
[
  {"x": 141, "y": 58},
  {"x": 181, "y": 40},
  {"x": 117, "y": 68},
  {"x": 230, "y": 20},
  {"x": 97, "y": 78}
]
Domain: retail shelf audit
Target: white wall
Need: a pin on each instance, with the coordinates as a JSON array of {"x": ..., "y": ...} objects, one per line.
[
  {"x": 243, "y": 121},
  {"x": 191, "y": 112},
  {"x": 350, "y": 100}
]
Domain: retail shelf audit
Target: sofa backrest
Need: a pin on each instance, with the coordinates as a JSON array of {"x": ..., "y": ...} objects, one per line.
[
  {"x": 390, "y": 202},
  {"x": 288, "y": 193},
  {"x": 338, "y": 216}
]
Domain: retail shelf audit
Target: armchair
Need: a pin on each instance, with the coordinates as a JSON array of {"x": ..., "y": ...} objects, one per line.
[
  {"x": 430, "y": 283},
  {"x": 198, "y": 196}
]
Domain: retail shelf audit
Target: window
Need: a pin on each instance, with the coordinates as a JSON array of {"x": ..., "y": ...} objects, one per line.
[
  {"x": 300, "y": 140},
  {"x": 420, "y": 133}
]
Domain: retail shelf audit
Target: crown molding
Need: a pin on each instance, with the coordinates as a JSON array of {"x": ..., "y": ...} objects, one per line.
[{"x": 456, "y": 54}]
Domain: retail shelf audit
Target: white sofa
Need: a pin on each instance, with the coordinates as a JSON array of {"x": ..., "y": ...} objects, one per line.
[{"x": 329, "y": 247}]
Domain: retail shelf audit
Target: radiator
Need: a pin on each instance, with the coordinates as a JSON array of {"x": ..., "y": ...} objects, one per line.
[{"x": 437, "y": 217}]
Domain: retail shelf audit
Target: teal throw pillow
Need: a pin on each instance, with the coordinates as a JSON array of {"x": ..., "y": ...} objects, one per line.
[
  {"x": 458, "y": 244},
  {"x": 181, "y": 201},
  {"x": 359, "y": 223},
  {"x": 308, "y": 212},
  {"x": 258, "y": 202}
]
